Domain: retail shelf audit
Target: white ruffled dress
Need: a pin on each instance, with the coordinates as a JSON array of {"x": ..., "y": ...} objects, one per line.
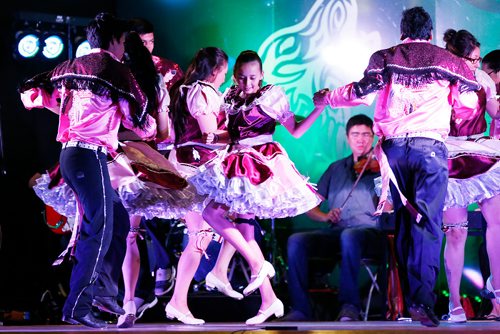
[{"x": 254, "y": 174}]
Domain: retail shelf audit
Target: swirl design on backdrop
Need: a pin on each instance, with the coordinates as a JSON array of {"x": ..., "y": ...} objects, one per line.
[{"x": 319, "y": 51}]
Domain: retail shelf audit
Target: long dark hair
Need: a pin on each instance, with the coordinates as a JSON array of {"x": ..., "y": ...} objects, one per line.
[
  {"x": 202, "y": 66},
  {"x": 461, "y": 43},
  {"x": 139, "y": 60}
]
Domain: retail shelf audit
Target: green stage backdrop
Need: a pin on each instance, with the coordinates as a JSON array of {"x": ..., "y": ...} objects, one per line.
[{"x": 306, "y": 45}]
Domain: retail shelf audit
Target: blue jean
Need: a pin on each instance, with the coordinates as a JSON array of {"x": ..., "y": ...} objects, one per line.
[
  {"x": 354, "y": 243},
  {"x": 154, "y": 255},
  {"x": 158, "y": 230},
  {"x": 421, "y": 170}
]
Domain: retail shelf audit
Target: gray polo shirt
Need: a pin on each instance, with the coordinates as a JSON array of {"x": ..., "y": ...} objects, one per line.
[{"x": 335, "y": 185}]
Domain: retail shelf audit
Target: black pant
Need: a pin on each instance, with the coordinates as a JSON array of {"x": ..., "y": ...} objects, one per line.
[
  {"x": 101, "y": 246},
  {"x": 421, "y": 170}
]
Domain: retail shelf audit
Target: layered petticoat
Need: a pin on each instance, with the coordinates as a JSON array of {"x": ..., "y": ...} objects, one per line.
[
  {"x": 149, "y": 185},
  {"x": 149, "y": 200},
  {"x": 258, "y": 180},
  {"x": 60, "y": 197},
  {"x": 474, "y": 171}
]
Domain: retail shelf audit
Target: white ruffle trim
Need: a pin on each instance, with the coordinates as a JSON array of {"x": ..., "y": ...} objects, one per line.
[
  {"x": 273, "y": 198},
  {"x": 463, "y": 192},
  {"x": 273, "y": 102},
  {"x": 150, "y": 200},
  {"x": 146, "y": 199},
  {"x": 378, "y": 188},
  {"x": 61, "y": 198}
]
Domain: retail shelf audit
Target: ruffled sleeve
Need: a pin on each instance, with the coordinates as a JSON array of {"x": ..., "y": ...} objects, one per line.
[
  {"x": 163, "y": 98},
  {"x": 487, "y": 83},
  {"x": 203, "y": 99},
  {"x": 275, "y": 104}
]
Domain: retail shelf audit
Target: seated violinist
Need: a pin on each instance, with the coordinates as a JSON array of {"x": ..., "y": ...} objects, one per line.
[{"x": 348, "y": 188}]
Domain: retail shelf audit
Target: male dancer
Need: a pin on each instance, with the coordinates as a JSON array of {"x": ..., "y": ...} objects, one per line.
[
  {"x": 94, "y": 95},
  {"x": 417, "y": 84}
]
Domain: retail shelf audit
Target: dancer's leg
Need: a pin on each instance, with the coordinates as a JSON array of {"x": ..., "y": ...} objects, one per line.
[
  {"x": 199, "y": 239},
  {"x": 456, "y": 236},
  {"x": 223, "y": 260},
  {"x": 215, "y": 215},
  {"x": 490, "y": 209},
  {"x": 132, "y": 261},
  {"x": 266, "y": 290}
]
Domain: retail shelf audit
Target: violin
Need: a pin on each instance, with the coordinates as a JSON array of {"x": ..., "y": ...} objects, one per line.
[
  {"x": 372, "y": 166},
  {"x": 365, "y": 164}
]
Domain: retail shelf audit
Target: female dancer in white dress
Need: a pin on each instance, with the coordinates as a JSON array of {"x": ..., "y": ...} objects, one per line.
[
  {"x": 474, "y": 165},
  {"x": 253, "y": 176},
  {"x": 195, "y": 111},
  {"x": 147, "y": 183}
]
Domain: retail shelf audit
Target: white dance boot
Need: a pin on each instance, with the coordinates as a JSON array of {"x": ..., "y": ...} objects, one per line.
[
  {"x": 256, "y": 281},
  {"x": 454, "y": 315},
  {"x": 188, "y": 319},
  {"x": 127, "y": 320},
  {"x": 212, "y": 282},
  {"x": 276, "y": 308},
  {"x": 490, "y": 287}
]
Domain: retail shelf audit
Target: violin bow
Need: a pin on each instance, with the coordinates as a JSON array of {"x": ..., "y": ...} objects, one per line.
[{"x": 357, "y": 180}]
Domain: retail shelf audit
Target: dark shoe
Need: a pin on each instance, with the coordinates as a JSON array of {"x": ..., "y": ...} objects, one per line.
[
  {"x": 89, "y": 320},
  {"x": 128, "y": 319},
  {"x": 69, "y": 320},
  {"x": 145, "y": 306},
  {"x": 424, "y": 314},
  {"x": 349, "y": 312},
  {"x": 293, "y": 315},
  {"x": 107, "y": 304},
  {"x": 165, "y": 280}
]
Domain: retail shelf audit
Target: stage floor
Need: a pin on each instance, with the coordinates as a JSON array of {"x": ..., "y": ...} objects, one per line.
[{"x": 375, "y": 327}]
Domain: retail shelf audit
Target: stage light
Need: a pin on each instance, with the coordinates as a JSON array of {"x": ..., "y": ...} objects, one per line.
[
  {"x": 34, "y": 44},
  {"x": 54, "y": 46},
  {"x": 83, "y": 49},
  {"x": 474, "y": 276},
  {"x": 28, "y": 44},
  {"x": 49, "y": 37},
  {"x": 80, "y": 45}
]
